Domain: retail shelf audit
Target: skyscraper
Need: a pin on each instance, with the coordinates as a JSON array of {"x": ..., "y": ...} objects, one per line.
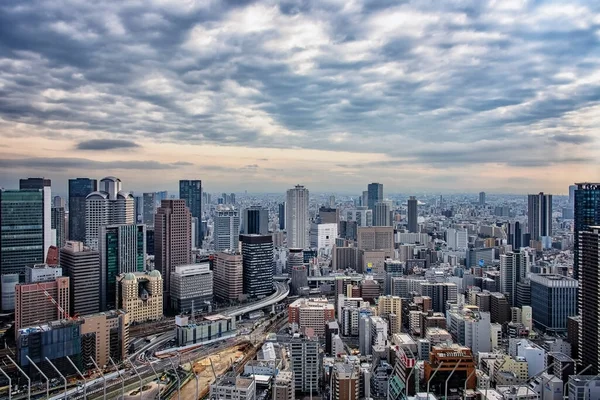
[
  {"x": 375, "y": 194},
  {"x": 572, "y": 189},
  {"x": 553, "y": 300},
  {"x": 79, "y": 188},
  {"x": 382, "y": 213},
  {"x": 172, "y": 238},
  {"x": 256, "y": 220},
  {"x": 297, "y": 223},
  {"x": 257, "y": 259},
  {"x": 32, "y": 307},
  {"x": 514, "y": 236},
  {"x": 191, "y": 192},
  {"x": 148, "y": 208},
  {"x": 122, "y": 249},
  {"x": 226, "y": 230},
  {"x": 282, "y": 214},
  {"x": 364, "y": 199},
  {"x": 412, "y": 215},
  {"x": 45, "y": 186},
  {"x": 513, "y": 269},
  {"x": 58, "y": 225},
  {"x": 25, "y": 229},
  {"x": 228, "y": 277},
  {"x": 108, "y": 206},
  {"x": 482, "y": 198},
  {"x": 82, "y": 265},
  {"x": 587, "y": 213},
  {"x": 589, "y": 286},
  {"x": 539, "y": 215}
]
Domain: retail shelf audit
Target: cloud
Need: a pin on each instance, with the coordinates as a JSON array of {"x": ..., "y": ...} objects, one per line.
[
  {"x": 106, "y": 144},
  {"x": 573, "y": 139},
  {"x": 59, "y": 163}
]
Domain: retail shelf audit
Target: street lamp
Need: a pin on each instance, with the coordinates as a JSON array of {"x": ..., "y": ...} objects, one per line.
[
  {"x": 431, "y": 377},
  {"x": 158, "y": 378},
  {"x": 44, "y": 375},
  {"x": 448, "y": 379},
  {"x": 81, "y": 375},
  {"x": 195, "y": 377},
  {"x": 59, "y": 373},
  {"x": 9, "y": 383},
  {"x": 101, "y": 374},
  {"x": 178, "y": 379},
  {"x": 24, "y": 374},
  {"x": 120, "y": 376},
  {"x": 140, "y": 378}
]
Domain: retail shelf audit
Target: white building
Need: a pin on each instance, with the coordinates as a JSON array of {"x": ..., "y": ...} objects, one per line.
[
  {"x": 297, "y": 217},
  {"x": 233, "y": 387},
  {"x": 457, "y": 239},
  {"x": 362, "y": 216},
  {"x": 535, "y": 356},
  {"x": 227, "y": 229},
  {"x": 322, "y": 237},
  {"x": 191, "y": 283}
]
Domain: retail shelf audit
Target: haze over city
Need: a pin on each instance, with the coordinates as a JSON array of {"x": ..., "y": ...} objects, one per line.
[{"x": 501, "y": 96}]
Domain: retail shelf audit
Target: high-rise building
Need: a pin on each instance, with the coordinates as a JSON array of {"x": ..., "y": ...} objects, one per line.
[
  {"x": 412, "y": 214},
  {"x": 305, "y": 360},
  {"x": 82, "y": 265},
  {"x": 282, "y": 215},
  {"x": 513, "y": 269},
  {"x": 389, "y": 306},
  {"x": 58, "y": 225},
  {"x": 322, "y": 236},
  {"x": 228, "y": 277},
  {"x": 110, "y": 205},
  {"x": 257, "y": 259},
  {"x": 25, "y": 220},
  {"x": 149, "y": 208},
  {"x": 297, "y": 221},
  {"x": 311, "y": 315},
  {"x": 515, "y": 236},
  {"x": 383, "y": 216},
  {"x": 191, "y": 192},
  {"x": 104, "y": 335},
  {"x": 329, "y": 215},
  {"x": 587, "y": 213},
  {"x": 345, "y": 381},
  {"x": 589, "y": 302},
  {"x": 283, "y": 386},
  {"x": 375, "y": 195},
  {"x": 539, "y": 215},
  {"x": 33, "y": 307},
  {"x": 256, "y": 221},
  {"x": 376, "y": 238},
  {"x": 572, "y": 189},
  {"x": 482, "y": 198},
  {"x": 172, "y": 238},
  {"x": 122, "y": 249},
  {"x": 141, "y": 295},
  {"x": 79, "y": 188},
  {"x": 553, "y": 300},
  {"x": 361, "y": 215},
  {"x": 226, "y": 230},
  {"x": 191, "y": 285}
]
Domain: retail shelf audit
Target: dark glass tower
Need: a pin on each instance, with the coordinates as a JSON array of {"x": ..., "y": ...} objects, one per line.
[
  {"x": 257, "y": 258},
  {"x": 191, "y": 192},
  {"x": 282, "y": 216},
  {"x": 256, "y": 220},
  {"x": 539, "y": 215},
  {"x": 587, "y": 213},
  {"x": 412, "y": 214},
  {"x": 375, "y": 195},
  {"x": 588, "y": 256},
  {"x": 79, "y": 188}
]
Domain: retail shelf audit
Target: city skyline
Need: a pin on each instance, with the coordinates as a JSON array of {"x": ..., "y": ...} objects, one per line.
[{"x": 497, "y": 96}]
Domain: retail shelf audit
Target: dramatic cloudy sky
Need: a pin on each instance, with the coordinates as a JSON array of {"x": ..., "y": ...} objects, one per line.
[{"x": 421, "y": 95}]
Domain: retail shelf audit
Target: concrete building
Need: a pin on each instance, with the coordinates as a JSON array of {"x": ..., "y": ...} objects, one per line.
[
  {"x": 297, "y": 217},
  {"x": 306, "y": 364},
  {"x": 513, "y": 269},
  {"x": 228, "y": 277},
  {"x": 345, "y": 381},
  {"x": 299, "y": 279},
  {"x": 283, "y": 386},
  {"x": 82, "y": 265},
  {"x": 226, "y": 230},
  {"x": 457, "y": 239},
  {"x": 329, "y": 215},
  {"x": 361, "y": 215},
  {"x": 311, "y": 314},
  {"x": 104, "y": 335},
  {"x": 383, "y": 214},
  {"x": 374, "y": 195},
  {"x": 553, "y": 300},
  {"x": 255, "y": 221},
  {"x": 322, "y": 237},
  {"x": 376, "y": 238},
  {"x": 583, "y": 387},
  {"x": 190, "y": 191},
  {"x": 539, "y": 215},
  {"x": 499, "y": 308},
  {"x": 510, "y": 370},
  {"x": 58, "y": 225},
  {"x": 482, "y": 198},
  {"x": 172, "y": 238},
  {"x": 33, "y": 307},
  {"x": 209, "y": 329},
  {"x": 450, "y": 358},
  {"x": 257, "y": 260},
  {"x": 471, "y": 328},
  {"x": 192, "y": 285},
  {"x": 110, "y": 205},
  {"x": 42, "y": 273},
  {"x": 149, "y": 206},
  {"x": 122, "y": 249},
  {"x": 413, "y": 214},
  {"x": 141, "y": 295},
  {"x": 233, "y": 387},
  {"x": 533, "y": 354},
  {"x": 79, "y": 188},
  {"x": 390, "y": 307}
]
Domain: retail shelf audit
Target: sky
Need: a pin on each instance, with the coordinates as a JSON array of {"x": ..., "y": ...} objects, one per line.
[{"x": 427, "y": 96}]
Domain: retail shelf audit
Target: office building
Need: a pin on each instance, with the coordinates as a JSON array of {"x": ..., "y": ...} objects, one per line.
[
  {"x": 589, "y": 302},
  {"x": 390, "y": 308},
  {"x": 191, "y": 192},
  {"x": 228, "y": 277},
  {"x": 82, "y": 265},
  {"x": 122, "y": 249},
  {"x": 374, "y": 195},
  {"x": 79, "y": 188},
  {"x": 515, "y": 236},
  {"x": 141, "y": 295},
  {"x": 305, "y": 361},
  {"x": 172, "y": 238},
  {"x": 226, "y": 230},
  {"x": 482, "y": 198},
  {"x": 208, "y": 329},
  {"x": 283, "y": 386},
  {"x": 110, "y": 205},
  {"x": 42, "y": 273},
  {"x": 539, "y": 215},
  {"x": 257, "y": 259},
  {"x": 345, "y": 381},
  {"x": 299, "y": 277},
  {"x": 452, "y": 360},
  {"x": 256, "y": 221},
  {"x": 479, "y": 257},
  {"x": 295, "y": 258},
  {"x": 361, "y": 215},
  {"x": 44, "y": 186},
  {"x": 149, "y": 205},
  {"x": 587, "y": 213},
  {"x": 440, "y": 293},
  {"x": 329, "y": 215},
  {"x": 470, "y": 328},
  {"x": 231, "y": 386},
  {"x": 553, "y": 300},
  {"x": 376, "y": 238},
  {"x": 583, "y": 387},
  {"x": 297, "y": 217},
  {"x": 412, "y": 214},
  {"x": 383, "y": 214},
  {"x": 33, "y": 307},
  {"x": 457, "y": 239},
  {"x": 26, "y": 229},
  {"x": 281, "y": 215},
  {"x": 499, "y": 308},
  {"x": 513, "y": 269},
  {"x": 58, "y": 226},
  {"x": 191, "y": 286},
  {"x": 313, "y": 314},
  {"x": 322, "y": 237},
  {"x": 104, "y": 335}
]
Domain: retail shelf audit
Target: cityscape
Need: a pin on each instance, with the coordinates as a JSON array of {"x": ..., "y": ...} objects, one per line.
[{"x": 299, "y": 199}]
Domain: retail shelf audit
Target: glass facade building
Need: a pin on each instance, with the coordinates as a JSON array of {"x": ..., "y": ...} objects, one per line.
[
  {"x": 79, "y": 188},
  {"x": 191, "y": 192},
  {"x": 257, "y": 260},
  {"x": 587, "y": 213},
  {"x": 553, "y": 300}
]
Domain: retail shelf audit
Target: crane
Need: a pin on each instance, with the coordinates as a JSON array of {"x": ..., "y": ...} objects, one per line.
[{"x": 49, "y": 297}]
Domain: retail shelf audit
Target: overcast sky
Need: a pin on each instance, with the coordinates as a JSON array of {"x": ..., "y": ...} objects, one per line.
[{"x": 435, "y": 96}]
